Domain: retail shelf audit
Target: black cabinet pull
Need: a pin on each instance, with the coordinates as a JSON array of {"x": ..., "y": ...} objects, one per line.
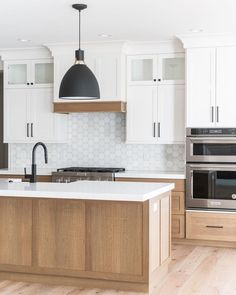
[
  {"x": 154, "y": 80},
  {"x": 32, "y": 83},
  {"x": 28, "y": 83},
  {"x": 27, "y": 129},
  {"x": 32, "y": 130},
  {"x": 159, "y": 80}
]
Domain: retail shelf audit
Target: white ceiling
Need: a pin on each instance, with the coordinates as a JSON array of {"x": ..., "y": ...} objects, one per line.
[{"x": 49, "y": 21}]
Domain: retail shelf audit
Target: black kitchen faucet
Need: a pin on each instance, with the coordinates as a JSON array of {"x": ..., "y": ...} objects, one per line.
[{"x": 33, "y": 176}]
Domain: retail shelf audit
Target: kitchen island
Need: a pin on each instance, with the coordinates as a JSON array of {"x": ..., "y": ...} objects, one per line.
[{"x": 109, "y": 235}]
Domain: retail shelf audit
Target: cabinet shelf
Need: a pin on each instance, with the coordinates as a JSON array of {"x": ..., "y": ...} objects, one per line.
[{"x": 95, "y": 106}]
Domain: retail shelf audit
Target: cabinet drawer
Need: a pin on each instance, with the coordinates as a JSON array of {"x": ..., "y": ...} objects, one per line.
[
  {"x": 211, "y": 226},
  {"x": 177, "y": 205},
  {"x": 178, "y": 226}
]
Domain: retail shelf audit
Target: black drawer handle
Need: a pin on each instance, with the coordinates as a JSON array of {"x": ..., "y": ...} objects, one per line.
[{"x": 214, "y": 226}]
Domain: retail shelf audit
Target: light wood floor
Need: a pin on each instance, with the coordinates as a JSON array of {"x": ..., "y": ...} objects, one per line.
[{"x": 193, "y": 270}]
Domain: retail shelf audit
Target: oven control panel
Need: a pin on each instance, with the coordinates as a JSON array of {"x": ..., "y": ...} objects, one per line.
[{"x": 211, "y": 132}]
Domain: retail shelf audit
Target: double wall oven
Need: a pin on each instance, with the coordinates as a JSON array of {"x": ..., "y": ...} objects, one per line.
[{"x": 211, "y": 168}]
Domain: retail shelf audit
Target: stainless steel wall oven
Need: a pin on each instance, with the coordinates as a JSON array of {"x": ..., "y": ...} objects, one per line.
[{"x": 211, "y": 168}]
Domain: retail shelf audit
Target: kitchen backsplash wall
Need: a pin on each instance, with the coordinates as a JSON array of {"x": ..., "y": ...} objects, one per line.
[{"x": 98, "y": 139}]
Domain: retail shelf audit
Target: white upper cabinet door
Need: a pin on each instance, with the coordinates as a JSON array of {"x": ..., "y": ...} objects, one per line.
[
  {"x": 142, "y": 114},
  {"x": 28, "y": 74},
  {"x": 226, "y": 87},
  {"x": 171, "y": 113},
  {"x": 17, "y": 74},
  {"x": 42, "y": 73},
  {"x": 200, "y": 79},
  {"x": 42, "y": 118},
  {"x": 106, "y": 68},
  {"x": 171, "y": 68},
  {"x": 142, "y": 70},
  {"x": 16, "y": 110}
]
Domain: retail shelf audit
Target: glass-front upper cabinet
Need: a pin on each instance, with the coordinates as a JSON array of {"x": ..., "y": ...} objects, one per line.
[
  {"x": 141, "y": 69},
  {"x": 156, "y": 69},
  {"x": 16, "y": 74},
  {"x": 43, "y": 73},
  {"x": 28, "y": 73},
  {"x": 171, "y": 68}
]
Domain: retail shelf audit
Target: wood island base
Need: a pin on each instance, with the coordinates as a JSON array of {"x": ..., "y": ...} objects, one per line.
[{"x": 121, "y": 245}]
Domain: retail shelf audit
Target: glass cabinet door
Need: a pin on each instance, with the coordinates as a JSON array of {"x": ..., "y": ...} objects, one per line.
[
  {"x": 141, "y": 69},
  {"x": 172, "y": 68},
  {"x": 17, "y": 75},
  {"x": 43, "y": 73}
]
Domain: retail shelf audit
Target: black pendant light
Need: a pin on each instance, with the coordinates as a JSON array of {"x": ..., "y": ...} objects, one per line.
[{"x": 79, "y": 81}]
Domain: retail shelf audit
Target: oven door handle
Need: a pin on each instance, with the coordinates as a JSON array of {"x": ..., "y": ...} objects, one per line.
[
  {"x": 191, "y": 184},
  {"x": 212, "y": 140}
]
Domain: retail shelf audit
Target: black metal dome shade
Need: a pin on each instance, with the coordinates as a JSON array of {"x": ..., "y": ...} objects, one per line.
[{"x": 79, "y": 82}]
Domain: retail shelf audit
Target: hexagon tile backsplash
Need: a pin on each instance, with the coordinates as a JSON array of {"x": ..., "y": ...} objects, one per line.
[{"x": 98, "y": 139}]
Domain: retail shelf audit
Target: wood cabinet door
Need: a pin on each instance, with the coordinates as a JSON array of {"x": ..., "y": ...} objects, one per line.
[
  {"x": 165, "y": 229},
  {"x": 226, "y": 90},
  {"x": 200, "y": 78},
  {"x": 115, "y": 237},
  {"x": 142, "y": 114},
  {"x": 60, "y": 234},
  {"x": 15, "y": 231}
]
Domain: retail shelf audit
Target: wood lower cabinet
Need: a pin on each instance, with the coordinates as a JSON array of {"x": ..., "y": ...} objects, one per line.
[
  {"x": 178, "y": 226},
  {"x": 40, "y": 178},
  {"x": 59, "y": 232},
  {"x": 106, "y": 244},
  {"x": 177, "y": 203},
  {"x": 115, "y": 234},
  {"x": 214, "y": 226},
  {"x": 15, "y": 231}
]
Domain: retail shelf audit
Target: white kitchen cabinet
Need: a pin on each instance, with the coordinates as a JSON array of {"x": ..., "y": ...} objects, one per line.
[
  {"x": 225, "y": 87},
  {"x": 171, "y": 68},
  {"x": 28, "y": 73},
  {"x": 28, "y": 117},
  {"x": 171, "y": 110},
  {"x": 16, "y": 115},
  {"x": 200, "y": 106},
  {"x": 156, "y": 69},
  {"x": 142, "y": 69},
  {"x": 155, "y": 114},
  {"x": 211, "y": 88},
  {"x": 141, "y": 114}
]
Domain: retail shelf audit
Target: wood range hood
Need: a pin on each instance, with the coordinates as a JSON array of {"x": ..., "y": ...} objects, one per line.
[{"x": 117, "y": 106}]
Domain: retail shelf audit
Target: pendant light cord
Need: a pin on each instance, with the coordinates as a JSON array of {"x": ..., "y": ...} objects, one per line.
[{"x": 79, "y": 28}]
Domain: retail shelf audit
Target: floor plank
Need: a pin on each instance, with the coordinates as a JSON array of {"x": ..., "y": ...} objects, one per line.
[{"x": 193, "y": 270}]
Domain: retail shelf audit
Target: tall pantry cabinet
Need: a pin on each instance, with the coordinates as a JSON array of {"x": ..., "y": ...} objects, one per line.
[
  {"x": 155, "y": 98},
  {"x": 28, "y": 102}
]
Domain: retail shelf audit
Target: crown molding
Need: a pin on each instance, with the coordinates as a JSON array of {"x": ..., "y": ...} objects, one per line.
[
  {"x": 207, "y": 40},
  {"x": 39, "y": 52}
]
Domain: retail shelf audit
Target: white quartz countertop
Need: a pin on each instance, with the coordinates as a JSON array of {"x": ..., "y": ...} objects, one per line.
[
  {"x": 20, "y": 171},
  {"x": 89, "y": 190},
  {"x": 151, "y": 174}
]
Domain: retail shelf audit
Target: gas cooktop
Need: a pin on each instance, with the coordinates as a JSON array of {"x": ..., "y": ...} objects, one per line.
[{"x": 90, "y": 169}]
